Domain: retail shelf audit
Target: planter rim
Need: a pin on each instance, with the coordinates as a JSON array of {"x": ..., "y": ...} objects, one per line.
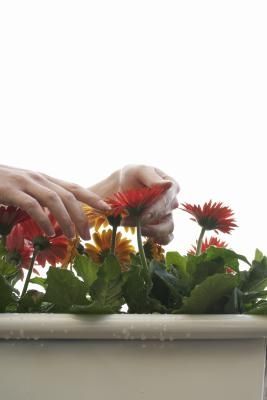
[{"x": 132, "y": 326}]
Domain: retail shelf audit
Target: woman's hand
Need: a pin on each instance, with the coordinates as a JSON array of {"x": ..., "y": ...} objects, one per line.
[
  {"x": 31, "y": 191},
  {"x": 157, "y": 220}
]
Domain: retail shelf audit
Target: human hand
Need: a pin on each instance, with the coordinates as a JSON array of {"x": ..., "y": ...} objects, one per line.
[
  {"x": 31, "y": 191},
  {"x": 157, "y": 220}
]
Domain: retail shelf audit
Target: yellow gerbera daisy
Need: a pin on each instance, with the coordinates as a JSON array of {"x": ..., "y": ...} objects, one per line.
[
  {"x": 153, "y": 250},
  {"x": 71, "y": 252},
  {"x": 101, "y": 247},
  {"x": 98, "y": 219}
]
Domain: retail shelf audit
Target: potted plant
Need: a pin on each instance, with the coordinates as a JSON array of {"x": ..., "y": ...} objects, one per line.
[{"x": 114, "y": 321}]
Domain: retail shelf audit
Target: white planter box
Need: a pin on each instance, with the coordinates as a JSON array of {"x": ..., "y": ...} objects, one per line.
[{"x": 185, "y": 357}]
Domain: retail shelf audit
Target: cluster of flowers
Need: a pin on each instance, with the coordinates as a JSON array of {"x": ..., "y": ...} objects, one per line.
[{"x": 27, "y": 246}]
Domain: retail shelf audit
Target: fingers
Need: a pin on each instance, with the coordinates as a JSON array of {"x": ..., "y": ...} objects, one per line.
[
  {"x": 81, "y": 194},
  {"x": 157, "y": 211},
  {"x": 50, "y": 199},
  {"x": 149, "y": 177},
  {"x": 160, "y": 232},
  {"x": 64, "y": 206},
  {"x": 33, "y": 209}
]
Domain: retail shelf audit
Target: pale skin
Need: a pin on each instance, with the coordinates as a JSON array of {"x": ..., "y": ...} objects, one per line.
[{"x": 31, "y": 191}]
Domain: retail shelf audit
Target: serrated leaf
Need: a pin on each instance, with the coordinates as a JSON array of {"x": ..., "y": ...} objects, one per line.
[
  {"x": 166, "y": 286},
  {"x": 205, "y": 295},
  {"x": 199, "y": 268},
  {"x": 260, "y": 309},
  {"x": 7, "y": 294},
  {"x": 176, "y": 259},
  {"x": 258, "y": 255},
  {"x": 107, "y": 288},
  {"x": 64, "y": 289},
  {"x": 38, "y": 280},
  {"x": 136, "y": 289},
  {"x": 257, "y": 276},
  {"x": 7, "y": 269},
  {"x": 86, "y": 269},
  {"x": 229, "y": 257}
]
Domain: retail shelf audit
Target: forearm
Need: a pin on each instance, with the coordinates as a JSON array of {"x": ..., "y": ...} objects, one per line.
[{"x": 107, "y": 186}]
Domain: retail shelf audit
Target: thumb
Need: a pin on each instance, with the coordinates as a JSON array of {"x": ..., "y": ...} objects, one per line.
[{"x": 148, "y": 177}]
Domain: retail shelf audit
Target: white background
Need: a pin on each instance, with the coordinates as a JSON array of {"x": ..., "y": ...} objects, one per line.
[{"x": 89, "y": 86}]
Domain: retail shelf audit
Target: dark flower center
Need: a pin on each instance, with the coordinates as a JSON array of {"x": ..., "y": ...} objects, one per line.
[
  {"x": 208, "y": 223},
  {"x": 41, "y": 243},
  {"x": 5, "y": 229}
]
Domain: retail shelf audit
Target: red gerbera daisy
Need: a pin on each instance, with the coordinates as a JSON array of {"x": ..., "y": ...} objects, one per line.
[
  {"x": 19, "y": 249},
  {"x": 212, "y": 216},
  {"x": 213, "y": 241},
  {"x": 135, "y": 201},
  {"x": 49, "y": 249},
  {"x": 9, "y": 217}
]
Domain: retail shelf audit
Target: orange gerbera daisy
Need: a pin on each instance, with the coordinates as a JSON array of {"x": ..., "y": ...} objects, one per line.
[
  {"x": 212, "y": 216},
  {"x": 72, "y": 251},
  {"x": 135, "y": 201},
  {"x": 98, "y": 219},
  {"x": 102, "y": 244},
  {"x": 153, "y": 250}
]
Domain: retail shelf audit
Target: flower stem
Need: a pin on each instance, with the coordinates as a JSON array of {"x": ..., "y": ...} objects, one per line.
[
  {"x": 199, "y": 242},
  {"x": 113, "y": 239},
  {"x": 28, "y": 277},
  {"x": 140, "y": 245}
]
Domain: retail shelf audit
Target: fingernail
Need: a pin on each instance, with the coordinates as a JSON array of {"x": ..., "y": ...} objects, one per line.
[
  {"x": 51, "y": 232},
  {"x": 70, "y": 233},
  {"x": 86, "y": 234},
  {"x": 104, "y": 206}
]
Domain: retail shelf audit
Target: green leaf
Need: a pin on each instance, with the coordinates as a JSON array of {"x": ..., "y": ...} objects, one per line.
[
  {"x": 136, "y": 289},
  {"x": 259, "y": 309},
  {"x": 258, "y": 255},
  {"x": 7, "y": 269},
  {"x": 64, "y": 289},
  {"x": 199, "y": 268},
  {"x": 94, "y": 308},
  {"x": 257, "y": 276},
  {"x": 235, "y": 303},
  {"x": 31, "y": 301},
  {"x": 7, "y": 294},
  {"x": 37, "y": 280},
  {"x": 204, "y": 296},
  {"x": 176, "y": 259},
  {"x": 3, "y": 250},
  {"x": 229, "y": 257},
  {"x": 107, "y": 288},
  {"x": 86, "y": 269},
  {"x": 166, "y": 287}
]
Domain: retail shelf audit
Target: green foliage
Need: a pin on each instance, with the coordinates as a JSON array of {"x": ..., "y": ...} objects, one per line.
[
  {"x": 86, "y": 269},
  {"x": 210, "y": 295},
  {"x": 64, "y": 288},
  {"x": 180, "y": 284},
  {"x": 7, "y": 294}
]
